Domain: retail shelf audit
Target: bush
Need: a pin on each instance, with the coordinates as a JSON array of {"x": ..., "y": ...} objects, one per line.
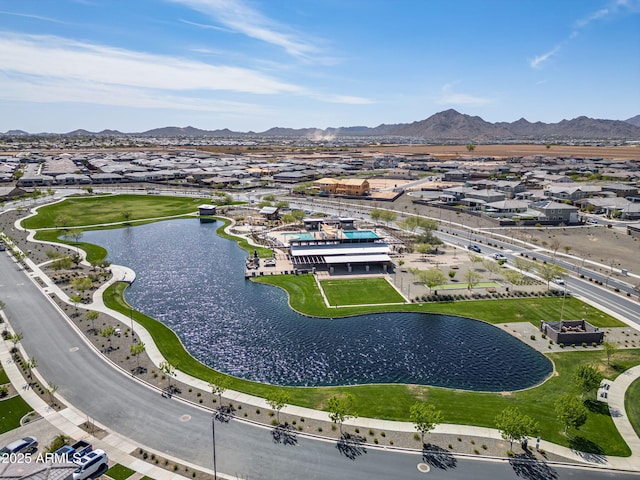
[
  {"x": 533, "y": 337},
  {"x": 561, "y": 345}
]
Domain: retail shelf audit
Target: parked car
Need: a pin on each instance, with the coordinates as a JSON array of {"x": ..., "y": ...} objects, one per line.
[
  {"x": 24, "y": 445},
  {"x": 75, "y": 451},
  {"x": 474, "y": 248},
  {"x": 499, "y": 256},
  {"x": 91, "y": 465}
]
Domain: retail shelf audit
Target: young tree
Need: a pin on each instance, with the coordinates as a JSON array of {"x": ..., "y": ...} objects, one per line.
[
  {"x": 169, "y": 370},
  {"x": 425, "y": 417},
  {"x": 76, "y": 299},
  {"x": 51, "y": 391},
  {"x": 278, "y": 399},
  {"x": 570, "y": 411},
  {"x": 431, "y": 278},
  {"x": 31, "y": 364},
  {"x": 513, "y": 276},
  {"x": 81, "y": 284},
  {"x": 515, "y": 426},
  {"x": 136, "y": 350},
  {"x": 549, "y": 271},
  {"x": 423, "y": 248},
  {"x": 472, "y": 278},
  {"x": 15, "y": 338},
  {"x": 126, "y": 216},
  {"x": 523, "y": 265},
  {"x": 341, "y": 409},
  {"x": 387, "y": 216},
  {"x": 219, "y": 385},
  {"x": 92, "y": 316},
  {"x": 491, "y": 266},
  {"x": 610, "y": 349},
  {"x": 587, "y": 378},
  {"x": 107, "y": 333}
]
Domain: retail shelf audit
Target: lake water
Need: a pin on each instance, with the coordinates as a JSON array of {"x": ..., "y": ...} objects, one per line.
[{"x": 193, "y": 281}]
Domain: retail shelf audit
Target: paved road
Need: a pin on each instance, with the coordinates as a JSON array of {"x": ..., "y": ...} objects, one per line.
[
  {"x": 623, "y": 306},
  {"x": 185, "y": 431}
]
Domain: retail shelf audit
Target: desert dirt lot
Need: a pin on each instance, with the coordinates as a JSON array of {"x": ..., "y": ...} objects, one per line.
[{"x": 624, "y": 152}]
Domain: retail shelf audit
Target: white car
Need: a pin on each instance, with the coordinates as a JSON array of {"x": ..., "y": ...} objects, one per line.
[
  {"x": 92, "y": 464},
  {"x": 499, "y": 256},
  {"x": 559, "y": 281}
]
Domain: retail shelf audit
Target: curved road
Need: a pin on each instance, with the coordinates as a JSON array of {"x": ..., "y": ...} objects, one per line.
[{"x": 185, "y": 431}]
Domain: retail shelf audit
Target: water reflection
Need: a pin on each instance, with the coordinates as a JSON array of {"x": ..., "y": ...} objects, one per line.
[{"x": 193, "y": 281}]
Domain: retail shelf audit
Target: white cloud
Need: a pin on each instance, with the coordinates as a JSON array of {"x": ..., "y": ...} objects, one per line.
[
  {"x": 240, "y": 17},
  {"x": 583, "y": 22},
  {"x": 538, "y": 60},
  {"x": 28, "y": 15},
  {"x": 614, "y": 7},
  {"x": 449, "y": 97},
  {"x": 345, "y": 99},
  {"x": 58, "y": 58},
  {"x": 76, "y": 91}
]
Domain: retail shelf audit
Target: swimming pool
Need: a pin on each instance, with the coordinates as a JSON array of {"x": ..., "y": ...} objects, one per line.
[{"x": 360, "y": 234}]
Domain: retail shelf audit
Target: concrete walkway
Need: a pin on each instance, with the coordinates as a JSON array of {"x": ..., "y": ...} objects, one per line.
[{"x": 68, "y": 419}]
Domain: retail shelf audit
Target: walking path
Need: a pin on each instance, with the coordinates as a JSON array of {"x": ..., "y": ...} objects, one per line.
[{"x": 68, "y": 420}]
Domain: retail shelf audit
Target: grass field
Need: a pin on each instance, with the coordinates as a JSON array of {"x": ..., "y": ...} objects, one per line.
[
  {"x": 632, "y": 405},
  {"x": 305, "y": 297},
  {"x": 11, "y": 411},
  {"x": 3, "y": 376},
  {"x": 120, "y": 472},
  {"x": 360, "y": 291}
]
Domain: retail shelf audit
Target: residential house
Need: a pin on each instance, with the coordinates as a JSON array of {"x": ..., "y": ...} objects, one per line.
[{"x": 550, "y": 211}]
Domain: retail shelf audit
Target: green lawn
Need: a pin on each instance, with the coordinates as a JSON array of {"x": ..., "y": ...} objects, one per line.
[
  {"x": 360, "y": 291},
  {"x": 11, "y": 411},
  {"x": 305, "y": 297},
  {"x": 3, "y": 376},
  {"x": 120, "y": 472},
  {"x": 94, "y": 210},
  {"x": 632, "y": 405}
]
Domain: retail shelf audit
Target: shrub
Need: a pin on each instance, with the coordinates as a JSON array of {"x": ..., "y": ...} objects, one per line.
[
  {"x": 533, "y": 337},
  {"x": 561, "y": 345}
]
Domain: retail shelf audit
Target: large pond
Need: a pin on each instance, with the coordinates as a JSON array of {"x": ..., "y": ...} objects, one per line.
[{"x": 193, "y": 281}]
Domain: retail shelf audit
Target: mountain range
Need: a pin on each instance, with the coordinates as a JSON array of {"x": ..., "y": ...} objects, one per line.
[{"x": 448, "y": 125}]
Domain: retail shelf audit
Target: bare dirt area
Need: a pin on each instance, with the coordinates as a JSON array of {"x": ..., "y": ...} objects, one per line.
[
  {"x": 623, "y": 152},
  {"x": 609, "y": 246}
]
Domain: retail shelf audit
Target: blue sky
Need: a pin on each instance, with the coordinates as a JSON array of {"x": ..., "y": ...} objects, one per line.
[{"x": 133, "y": 65}]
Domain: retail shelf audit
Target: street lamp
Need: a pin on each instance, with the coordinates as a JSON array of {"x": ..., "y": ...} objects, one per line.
[
  {"x": 563, "y": 298},
  {"x": 213, "y": 429},
  {"x": 131, "y": 317}
]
